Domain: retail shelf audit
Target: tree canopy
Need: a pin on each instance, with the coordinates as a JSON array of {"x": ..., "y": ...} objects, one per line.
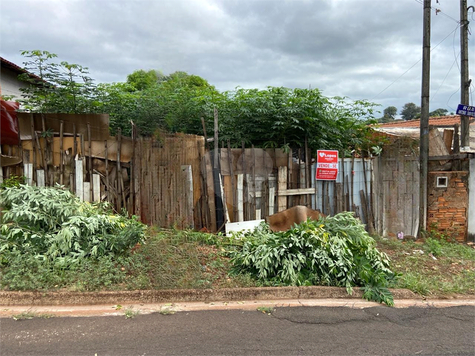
[
  {"x": 410, "y": 111},
  {"x": 272, "y": 117}
]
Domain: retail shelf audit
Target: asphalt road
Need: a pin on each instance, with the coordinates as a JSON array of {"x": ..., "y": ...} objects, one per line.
[{"x": 287, "y": 331}]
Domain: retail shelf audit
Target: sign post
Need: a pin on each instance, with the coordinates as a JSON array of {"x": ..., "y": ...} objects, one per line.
[{"x": 327, "y": 165}]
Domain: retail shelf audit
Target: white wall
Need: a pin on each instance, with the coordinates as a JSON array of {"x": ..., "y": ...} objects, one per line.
[{"x": 9, "y": 83}]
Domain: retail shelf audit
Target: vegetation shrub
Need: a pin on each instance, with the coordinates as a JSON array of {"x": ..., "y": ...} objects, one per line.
[
  {"x": 333, "y": 251},
  {"x": 49, "y": 232}
]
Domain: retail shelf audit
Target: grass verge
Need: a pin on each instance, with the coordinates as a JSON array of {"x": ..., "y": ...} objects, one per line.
[{"x": 174, "y": 259}]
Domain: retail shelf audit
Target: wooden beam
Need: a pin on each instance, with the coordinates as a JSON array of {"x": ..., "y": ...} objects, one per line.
[{"x": 299, "y": 191}]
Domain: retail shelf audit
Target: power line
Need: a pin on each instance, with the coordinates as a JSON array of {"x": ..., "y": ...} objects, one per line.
[{"x": 382, "y": 91}]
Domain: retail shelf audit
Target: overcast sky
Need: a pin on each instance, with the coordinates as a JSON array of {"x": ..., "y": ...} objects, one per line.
[{"x": 361, "y": 49}]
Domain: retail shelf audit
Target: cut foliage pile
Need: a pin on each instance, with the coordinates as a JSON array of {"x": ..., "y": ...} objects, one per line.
[
  {"x": 46, "y": 229},
  {"x": 331, "y": 251}
]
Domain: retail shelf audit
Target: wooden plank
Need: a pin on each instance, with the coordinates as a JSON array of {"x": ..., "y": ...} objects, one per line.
[
  {"x": 96, "y": 181},
  {"x": 188, "y": 179},
  {"x": 240, "y": 197},
  {"x": 79, "y": 178},
  {"x": 282, "y": 187},
  {"x": 254, "y": 188},
  {"x": 271, "y": 200},
  {"x": 233, "y": 181},
  {"x": 339, "y": 197},
  {"x": 61, "y": 150},
  {"x": 89, "y": 160},
  {"x": 302, "y": 185},
  {"x": 40, "y": 178},
  {"x": 87, "y": 192},
  {"x": 298, "y": 191},
  {"x": 448, "y": 138}
]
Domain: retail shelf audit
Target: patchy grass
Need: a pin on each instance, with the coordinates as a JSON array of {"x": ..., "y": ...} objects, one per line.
[
  {"x": 174, "y": 259},
  {"x": 432, "y": 267},
  {"x": 28, "y": 315}
]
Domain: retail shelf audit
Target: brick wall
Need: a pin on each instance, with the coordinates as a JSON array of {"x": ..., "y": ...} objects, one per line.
[{"x": 447, "y": 206}]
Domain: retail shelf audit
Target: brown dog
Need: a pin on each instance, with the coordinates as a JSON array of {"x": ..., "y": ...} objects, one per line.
[{"x": 284, "y": 220}]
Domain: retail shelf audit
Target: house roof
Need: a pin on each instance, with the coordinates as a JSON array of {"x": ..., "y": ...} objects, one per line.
[
  {"x": 16, "y": 68},
  {"x": 441, "y": 121}
]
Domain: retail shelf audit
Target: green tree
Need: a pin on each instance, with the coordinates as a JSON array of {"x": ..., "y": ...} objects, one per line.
[
  {"x": 56, "y": 87},
  {"x": 142, "y": 80},
  {"x": 439, "y": 112},
  {"x": 410, "y": 111},
  {"x": 389, "y": 114}
]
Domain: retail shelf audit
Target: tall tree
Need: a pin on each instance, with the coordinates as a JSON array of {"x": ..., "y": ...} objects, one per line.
[
  {"x": 439, "y": 112},
  {"x": 410, "y": 111},
  {"x": 61, "y": 87},
  {"x": 142, "y": 80}
]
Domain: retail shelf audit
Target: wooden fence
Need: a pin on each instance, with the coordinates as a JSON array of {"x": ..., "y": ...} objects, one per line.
[{"x": 172, "y": 180}]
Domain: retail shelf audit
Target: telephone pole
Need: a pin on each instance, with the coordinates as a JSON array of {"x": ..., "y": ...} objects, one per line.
[
  {"x": 424, "y": 124},
  {"x": 464, "y": 80}
]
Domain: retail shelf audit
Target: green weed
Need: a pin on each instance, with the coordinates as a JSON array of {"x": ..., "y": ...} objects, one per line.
[{"x": 27, "y": 315}]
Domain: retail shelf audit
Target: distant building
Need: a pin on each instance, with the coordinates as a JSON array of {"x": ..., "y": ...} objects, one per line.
[
  {"x": 9, "y": 83},
  {"x": 411, "y": 128}
]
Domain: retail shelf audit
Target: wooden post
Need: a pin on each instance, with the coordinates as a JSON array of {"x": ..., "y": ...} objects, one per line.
[
  {"x": 28, "y": 172},
  {"x": 352, "y": 184},
  {"x": 79, "y": 178},
  {"x": 342, "y": 158},
  {"x": 107, "y": 172},
  {"x": 204, "y": 132},
  {"x": 282, "y": 186},
  {"x": 91, "y": 186},
  {"x": 44, "y": 151},
  {"x": 96, "y": 182},
  {"x": 240, "y": 197},
  {"x": 233, "y": 180},
  {"x": 61, "y": 155},
  {"x": 132, "y": 170},
  {"x": 40, "y": 178},
  {"x": 188, "y": 178},
  {"x": 33, "y": 140},
  {"x": 75, "y": 152},
  {"x": 307, "y": 171},
  {"x": 253, "y": 171}
]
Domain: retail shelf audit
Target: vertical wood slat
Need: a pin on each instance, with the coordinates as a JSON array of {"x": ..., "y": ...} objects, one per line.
[
  {"x": 87, "y": 191},
  {"x": 28, "y": 172},
  {"x": 188, "y": 179},
  {"x": 254, "y": 188},
  {"x": 89, "y": 159},
  {"x": 40, "y": 178},
  {"x": 240, "y": 197},
  {"x": 61, "y": 154},
  {"x": 79, "y": 178},
  {"x": 119, "y": 170},
  {"x": 281, "y": 186},
  {"x": 233, "y": 180},
  {"x": 96, "y": 182},
  {"x": 106, "y": 149}
]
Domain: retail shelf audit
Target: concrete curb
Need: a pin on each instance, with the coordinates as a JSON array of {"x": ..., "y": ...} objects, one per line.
[{"x": 38, "y": 298}]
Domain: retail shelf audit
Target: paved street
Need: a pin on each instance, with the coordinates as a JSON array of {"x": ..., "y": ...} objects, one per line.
[{"x": 288, "y": 331}]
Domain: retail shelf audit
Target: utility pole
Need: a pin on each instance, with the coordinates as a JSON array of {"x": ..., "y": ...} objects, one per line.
[
  {"x": 464, "y": 80},
  {"x": 424, "y": 124}
]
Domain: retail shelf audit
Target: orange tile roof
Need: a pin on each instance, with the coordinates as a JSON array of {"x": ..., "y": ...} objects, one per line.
[{"x": 448, "y": 120}]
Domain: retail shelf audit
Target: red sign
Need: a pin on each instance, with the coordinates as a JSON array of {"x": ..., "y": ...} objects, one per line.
[{"x": 327, "y": 165}]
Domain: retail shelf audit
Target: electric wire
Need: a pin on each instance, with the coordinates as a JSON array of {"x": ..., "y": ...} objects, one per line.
[{"x": 433, "y": 48}]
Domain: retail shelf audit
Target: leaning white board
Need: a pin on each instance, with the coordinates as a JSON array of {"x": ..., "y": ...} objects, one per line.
[{"x": 242, "y": 225}]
